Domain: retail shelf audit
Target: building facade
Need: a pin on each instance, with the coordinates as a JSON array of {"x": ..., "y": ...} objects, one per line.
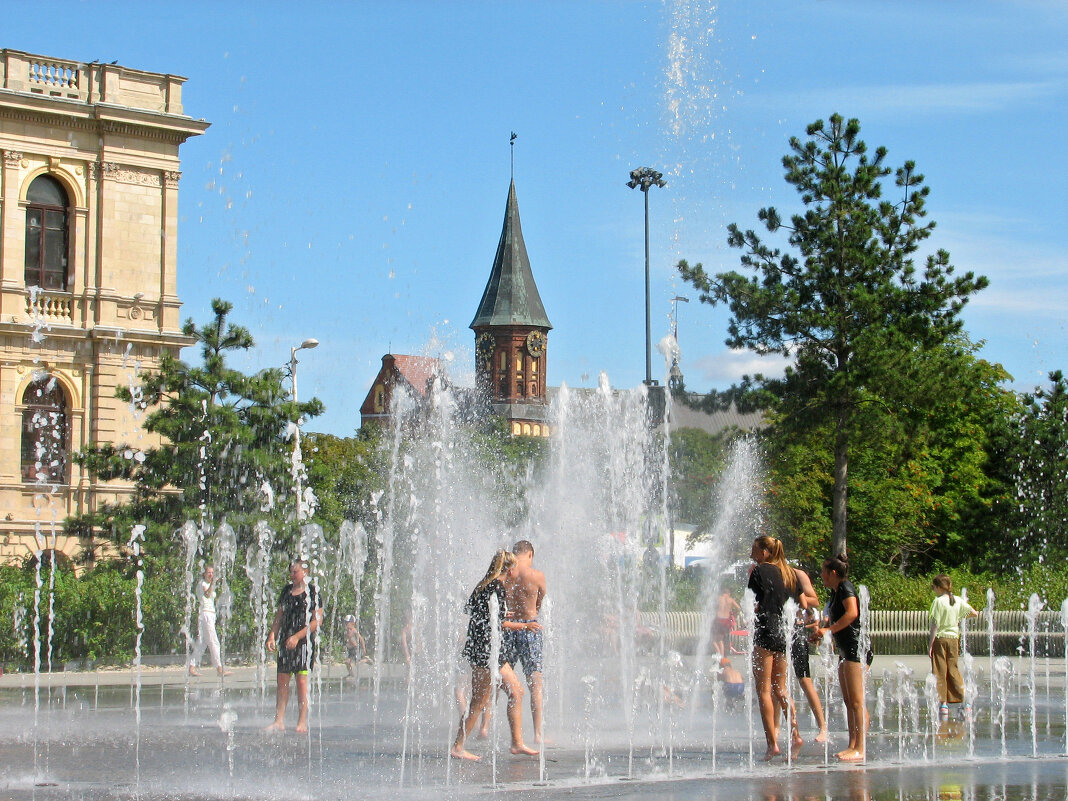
[{"x": 88, "y": 277}]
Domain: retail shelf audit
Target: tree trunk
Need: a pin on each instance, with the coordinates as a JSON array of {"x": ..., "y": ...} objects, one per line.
[{"x": 839, "y": 512}]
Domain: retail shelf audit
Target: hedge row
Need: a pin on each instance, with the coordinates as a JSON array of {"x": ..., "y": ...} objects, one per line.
[{"x": 93, "y": 616}]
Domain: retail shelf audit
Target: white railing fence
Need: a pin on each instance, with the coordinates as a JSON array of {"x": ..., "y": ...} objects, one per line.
[{"x": 893, "y": 632}]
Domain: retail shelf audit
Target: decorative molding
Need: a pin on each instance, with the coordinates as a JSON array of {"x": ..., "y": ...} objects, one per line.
[
  {"x": 92, "y": 170},
  {"x": 12, "y": 158},
  {"x": 130, "y": 175},
  {"x": 171, "y": 178},
  {"x": 96, "y": 126}
]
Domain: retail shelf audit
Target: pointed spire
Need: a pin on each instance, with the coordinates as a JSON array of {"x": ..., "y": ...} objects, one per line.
[{"x": 511, "y": 296}]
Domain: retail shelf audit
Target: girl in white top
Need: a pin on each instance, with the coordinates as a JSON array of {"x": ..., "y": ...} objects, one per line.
[
  {"x": 947, "y": 611},
  {"x": 206, "y": 635}
]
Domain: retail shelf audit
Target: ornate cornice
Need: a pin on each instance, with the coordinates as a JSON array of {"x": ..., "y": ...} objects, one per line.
[
  {"x": 143, "y": 131},
  {"x": 130, "y": 175},
  {"x": 92, "y": 124}
]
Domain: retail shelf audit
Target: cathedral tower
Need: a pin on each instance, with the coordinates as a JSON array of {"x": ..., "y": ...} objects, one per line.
[{"x": 511, "y": 334}]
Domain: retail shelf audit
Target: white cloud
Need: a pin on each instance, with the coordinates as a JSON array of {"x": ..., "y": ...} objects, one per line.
[
  {"x": 729, "y": 365},
  {"x": 1025, "y": 278}
]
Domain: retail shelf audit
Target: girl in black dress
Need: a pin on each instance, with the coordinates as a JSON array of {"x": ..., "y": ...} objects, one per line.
[
  {"x": 844, "y": 619},
  {"x": 478, "y": 650},
  {"x": 299, "y": 615},
  {"x": 773, "y": 583}
]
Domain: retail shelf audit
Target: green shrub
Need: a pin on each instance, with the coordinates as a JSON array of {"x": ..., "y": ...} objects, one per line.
[{"x": 892, "y": 590}]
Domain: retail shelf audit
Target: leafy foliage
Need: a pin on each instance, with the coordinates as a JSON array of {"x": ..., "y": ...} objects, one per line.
[
  {"x": 892, "y": 590},
  {"x": 344, "y": 472},
  {"x": 697, "y": 459},
  {"x": 924, "y": 485},
  {"x": 850, "y": 306}
]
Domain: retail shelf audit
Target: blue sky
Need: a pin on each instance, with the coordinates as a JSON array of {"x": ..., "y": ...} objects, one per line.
[{"x": 352, "y": 185}]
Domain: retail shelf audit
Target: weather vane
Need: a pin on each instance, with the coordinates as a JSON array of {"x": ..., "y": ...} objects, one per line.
[{"x": 511, "y": 144}]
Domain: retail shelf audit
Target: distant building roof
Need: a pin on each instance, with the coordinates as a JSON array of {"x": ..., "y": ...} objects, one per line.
[
  {"x": 411, "y": 372},
  {"x": 416, "y": 370},
  {"x": 683, "y": 416},
  {"x": 511, "y": 296}
]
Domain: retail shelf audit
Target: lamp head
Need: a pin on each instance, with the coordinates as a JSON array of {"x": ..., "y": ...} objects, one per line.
[{"x": 645, "y": 177}]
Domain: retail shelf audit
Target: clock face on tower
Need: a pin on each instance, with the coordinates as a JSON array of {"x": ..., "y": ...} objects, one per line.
[
  {"x": 536, "y": 343},
  {"x": 484, "y": 346}
]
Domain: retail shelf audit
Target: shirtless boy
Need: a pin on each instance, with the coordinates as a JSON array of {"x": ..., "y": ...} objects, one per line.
[
  {"x": 727, "y": 609},
  {"x": 524, "y": 595}
]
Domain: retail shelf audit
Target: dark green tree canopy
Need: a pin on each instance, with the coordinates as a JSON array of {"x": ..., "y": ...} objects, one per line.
[
  {"x": 843, "y": 298},
  {"x": 1041, "y": 481}
]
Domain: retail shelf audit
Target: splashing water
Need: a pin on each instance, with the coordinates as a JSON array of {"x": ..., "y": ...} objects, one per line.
[
  {"x": 930, "y": 695},
  {"x": 1034, "y": 606},
  {"x": 1001, "y": 683},
  {"x": 257, "y": 568}
]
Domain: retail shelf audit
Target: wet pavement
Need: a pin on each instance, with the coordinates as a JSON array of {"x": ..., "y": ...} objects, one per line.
[{"x": 92, "y": 736}]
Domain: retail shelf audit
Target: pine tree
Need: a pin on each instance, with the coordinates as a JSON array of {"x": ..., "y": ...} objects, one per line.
[
  {"x": 850, "y": 302},
  {"x": 225, "y": 452}
]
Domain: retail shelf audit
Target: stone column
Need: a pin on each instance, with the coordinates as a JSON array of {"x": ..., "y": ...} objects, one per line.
[{"x": 10, "y": 229}]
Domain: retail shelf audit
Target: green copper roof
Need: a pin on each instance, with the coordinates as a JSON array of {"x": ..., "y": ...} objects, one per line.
[{"x": 511, "y": 296}]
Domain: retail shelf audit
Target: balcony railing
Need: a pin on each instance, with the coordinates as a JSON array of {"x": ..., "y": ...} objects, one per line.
[
  {"x": 59, "y": 74},
  {"x": 46, "y": 308},
  {"x": 40, "y": 75},
  {"x": 92, "y": 82}
]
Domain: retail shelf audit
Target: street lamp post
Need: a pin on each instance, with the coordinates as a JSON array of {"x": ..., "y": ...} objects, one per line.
[
  {"x": 675, "y": 314},
  {"x": 645, "y": 178},
  {"x": 307, "y": 344}
]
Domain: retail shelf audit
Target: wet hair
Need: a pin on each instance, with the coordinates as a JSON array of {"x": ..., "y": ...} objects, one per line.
[
  {"x": 945, "y": 584},
  {"x": 839, "y": 565},
  {"x": 523, "y": 546},
  {"x": 502, "y": 562},
  {"x": 302, "y": 562},
  {"x": 777, "y": 557}
]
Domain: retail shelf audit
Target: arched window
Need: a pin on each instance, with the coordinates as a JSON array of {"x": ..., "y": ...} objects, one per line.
[
  {"x": 44, "y": 432},
  {"x": 47, "y": 235}
]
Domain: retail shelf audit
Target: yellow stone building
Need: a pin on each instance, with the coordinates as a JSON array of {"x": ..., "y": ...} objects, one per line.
[{"x": 88, "y": 276}]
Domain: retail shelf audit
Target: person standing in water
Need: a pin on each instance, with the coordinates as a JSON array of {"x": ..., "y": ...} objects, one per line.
[
  {"x": 773, "y": 583},
  {"x": 727, "y": 611},
  {"x": 207, "y": 637},
  {"x": 947, "y": 611},
  {"x": 355, "y": 646},
  {"x": 844, "y": 617},
  {"x": 799, "y": 653},
  {"x": 523, "y": 597},
  {"x": 299, "y": 616},
  {"x": 478, "y": 650}
]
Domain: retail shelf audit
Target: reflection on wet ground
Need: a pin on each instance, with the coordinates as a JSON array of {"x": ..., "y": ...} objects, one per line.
[{"x": 86, "y": 744}]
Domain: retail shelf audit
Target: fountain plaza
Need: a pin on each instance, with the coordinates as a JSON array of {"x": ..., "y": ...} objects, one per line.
[{"x": 627, "y": 715}]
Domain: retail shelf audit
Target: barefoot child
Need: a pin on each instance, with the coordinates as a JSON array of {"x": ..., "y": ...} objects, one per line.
[{"x": 478, "y": 648}]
